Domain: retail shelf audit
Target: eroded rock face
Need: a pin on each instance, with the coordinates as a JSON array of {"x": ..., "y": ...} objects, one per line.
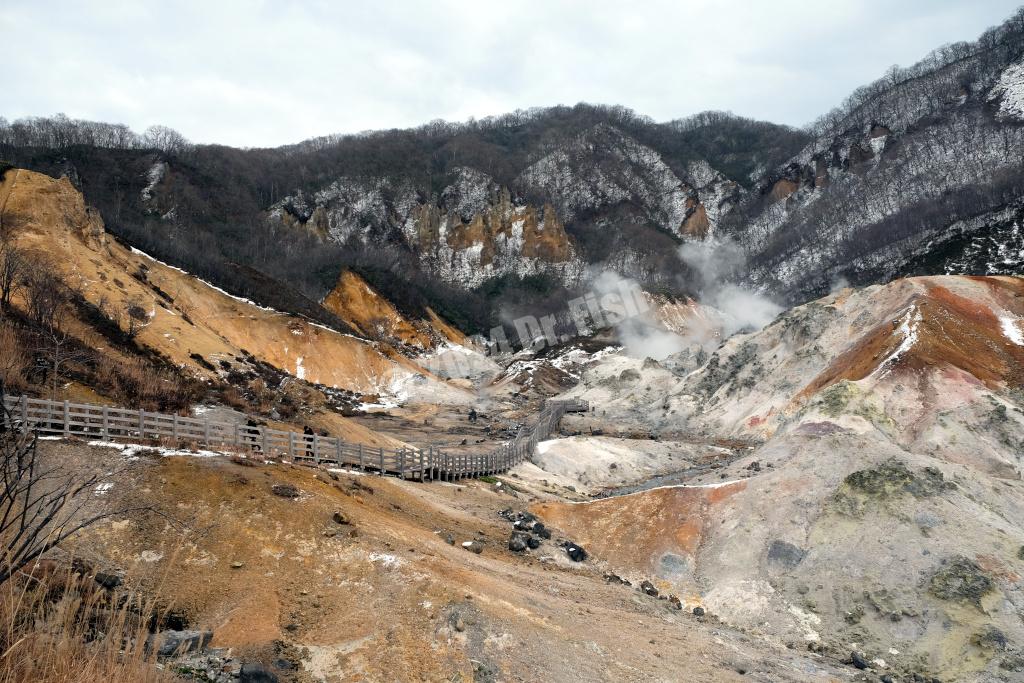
[
  {"x": 473, "y": 230},
  {"x": 505, "y": 237}
]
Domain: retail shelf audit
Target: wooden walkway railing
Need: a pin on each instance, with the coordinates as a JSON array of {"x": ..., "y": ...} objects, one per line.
[{"x": 66, "y": 419}]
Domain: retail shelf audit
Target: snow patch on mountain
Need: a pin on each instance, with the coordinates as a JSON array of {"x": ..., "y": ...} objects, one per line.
[
  {"x": 1009, "y": 92},
  {"x": 1012, "y": 329},
  {"x": 156, "y": 173}
]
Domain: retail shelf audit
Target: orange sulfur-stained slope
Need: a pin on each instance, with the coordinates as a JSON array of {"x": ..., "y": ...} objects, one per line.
[
  {"x": 650, "y": 532},
  {"x": 185, "y": 316},
  {"x": 962, "y": 322}
]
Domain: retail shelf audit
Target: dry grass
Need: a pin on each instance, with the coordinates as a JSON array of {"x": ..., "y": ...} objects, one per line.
[
  {"x": 137, "y": 383},
  {"x": 57, "y": 626}
]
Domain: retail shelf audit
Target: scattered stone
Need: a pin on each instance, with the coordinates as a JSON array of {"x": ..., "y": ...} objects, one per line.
[
  {"x": 475, "y": 547},
  {"x": 237, "y": 565},
  {"x": 648, "y": 588},
  {"x": 340, "y": 518},
  {"x": 460, "y": 625},
  {"x": 518, "y": 542},
  {"x": 449, "y": 539},
  {"x": 612, "y": 578},
  {"x": 858, "y": 661},
  {"x": 285, "y": 490},
  {"x": 698, "y": 611},
  {"x": 532, "y": 542},
  {"x": 675, "y": 602}
]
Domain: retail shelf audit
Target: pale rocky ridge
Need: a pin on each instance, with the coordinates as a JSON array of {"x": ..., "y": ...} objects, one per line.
[{"x": 879, "y": 508}]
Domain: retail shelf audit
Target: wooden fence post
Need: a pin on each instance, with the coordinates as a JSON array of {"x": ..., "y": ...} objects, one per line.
[
  {"x": 316, "y": 449},
  {"x": 381, "y": 473},
  {"x": 106, "y": 422},
  {"x": 291, "y": 445},
  {"x": 67, "y": 419},
  {"x": 362, "y": 467},
  {"x": 266, "y": 442},
  {"x": 401, "y": 463},
  {"x": 337, "y": 450},
  {"x": 24, "y": 414}
]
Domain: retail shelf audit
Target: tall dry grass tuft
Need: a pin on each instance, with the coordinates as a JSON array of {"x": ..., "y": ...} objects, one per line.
[{"x": 57, "y": 626}]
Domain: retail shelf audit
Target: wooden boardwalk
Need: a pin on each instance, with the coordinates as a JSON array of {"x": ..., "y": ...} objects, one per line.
[{"x": 104, "y": 423}]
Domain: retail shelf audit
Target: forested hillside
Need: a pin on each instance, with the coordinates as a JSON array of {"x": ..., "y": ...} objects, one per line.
[{"x": 918, "y": 172}]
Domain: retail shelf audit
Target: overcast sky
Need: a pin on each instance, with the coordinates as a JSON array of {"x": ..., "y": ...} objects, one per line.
[{"x": 270, "y": 73}]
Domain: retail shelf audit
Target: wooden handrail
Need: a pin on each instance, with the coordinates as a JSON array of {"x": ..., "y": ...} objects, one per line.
[{"x": 64, "y": 418}]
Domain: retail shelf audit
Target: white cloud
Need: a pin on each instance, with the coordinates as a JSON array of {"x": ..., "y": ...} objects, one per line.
[{"x": 268, "y": 73}]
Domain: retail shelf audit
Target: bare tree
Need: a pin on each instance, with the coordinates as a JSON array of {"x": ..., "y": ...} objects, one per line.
[
  {"x": 137, "y": 318},
  {"x": 49, "y": 305},
  {"x": 13, "y": 267},
  {"x": 166, "y": 140}
]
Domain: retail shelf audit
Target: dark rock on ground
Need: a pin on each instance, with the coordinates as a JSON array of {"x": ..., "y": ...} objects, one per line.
[
  {"x": 858, "y": 661},
  {"x": 518, "y": 542},
  {"x": 575, "y": 552},
  {"x": 285, "y": 490},
  {"x": 698, "y": 611},
  {"x": 475, "y": 547},
  {"x": 109, "y": 580},
  {"x": 785, "y": 554},
  {"x": 340, "y": 518},
  {"x": 960, "y": 579},
  {"x": 532, "y": 542},
  {"x": 648, "y": 588},
  {"x": 253, "y": 672}
]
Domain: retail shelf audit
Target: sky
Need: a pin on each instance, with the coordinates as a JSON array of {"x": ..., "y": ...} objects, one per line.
[{"x": 257, "y": 74}]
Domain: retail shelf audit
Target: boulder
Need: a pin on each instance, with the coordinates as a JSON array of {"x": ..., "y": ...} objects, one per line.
[
  {"x": 575, "y": 552},
  {"x": 648, "y": 588},
  {"x": 475, "y": 547},
  {"x": 254, "y": 672},
  {"x": 518, "y": 542},
  {"x": 541, "y": 530},
  {"x": 108, "y": 580},
  {"x": 532, "y": 542},
  {"x": 340, "y": 518}
]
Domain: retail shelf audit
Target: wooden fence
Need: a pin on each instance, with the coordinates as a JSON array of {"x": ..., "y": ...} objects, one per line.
[{"x": 63, "y": 418}]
